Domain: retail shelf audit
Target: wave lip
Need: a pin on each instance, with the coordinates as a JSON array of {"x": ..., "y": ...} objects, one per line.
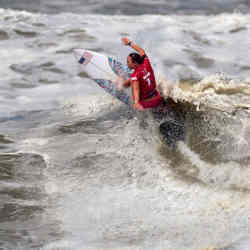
[{"x": 213, "y": 92}]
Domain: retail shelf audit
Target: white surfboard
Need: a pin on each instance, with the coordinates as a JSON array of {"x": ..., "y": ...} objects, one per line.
[{"x": 104, "y": 71}]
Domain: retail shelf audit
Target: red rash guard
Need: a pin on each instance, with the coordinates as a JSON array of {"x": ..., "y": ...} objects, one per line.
[{"x": 145, "y": 75}]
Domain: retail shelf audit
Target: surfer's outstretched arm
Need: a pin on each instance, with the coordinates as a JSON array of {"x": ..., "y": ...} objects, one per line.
[{"x": 137, "y": 48}]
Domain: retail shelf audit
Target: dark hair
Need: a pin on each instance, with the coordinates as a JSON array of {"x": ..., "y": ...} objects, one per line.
[{"x": 137, "y": 58}]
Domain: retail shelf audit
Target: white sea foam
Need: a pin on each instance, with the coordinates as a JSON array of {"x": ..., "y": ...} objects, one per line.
[
  {"x": 90, "y": 104},
  {"x": 112, "y": 185},
  {"x": 213, "y": 92}
]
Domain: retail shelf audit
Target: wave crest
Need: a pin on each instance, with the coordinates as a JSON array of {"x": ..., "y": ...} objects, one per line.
[{"x": 213, "y": 92}]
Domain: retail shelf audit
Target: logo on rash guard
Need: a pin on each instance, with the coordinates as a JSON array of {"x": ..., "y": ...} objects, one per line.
[{"x": 146, "y": 77}]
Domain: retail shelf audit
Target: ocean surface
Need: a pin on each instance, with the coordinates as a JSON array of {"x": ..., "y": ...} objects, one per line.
[{"x": 81, "y": 171}]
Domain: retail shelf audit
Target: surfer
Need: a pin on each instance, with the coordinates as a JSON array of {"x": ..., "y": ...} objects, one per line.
[{"x": 142, "y": 80}]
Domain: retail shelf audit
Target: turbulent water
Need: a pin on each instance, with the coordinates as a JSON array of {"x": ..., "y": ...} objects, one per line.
[{"x": 80, "y": 170}]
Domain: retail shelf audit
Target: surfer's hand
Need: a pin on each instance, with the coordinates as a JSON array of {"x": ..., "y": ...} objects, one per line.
[
  {"x": 138, "y": 106},
  {"x": 125, "y": 40},
  {"x": 126, "y": 83}
]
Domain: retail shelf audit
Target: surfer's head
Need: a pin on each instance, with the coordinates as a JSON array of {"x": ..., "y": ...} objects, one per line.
[{"x": 133, "y": 60}]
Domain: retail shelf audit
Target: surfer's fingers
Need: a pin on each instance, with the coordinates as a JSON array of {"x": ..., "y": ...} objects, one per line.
[
  {"x": 138, "y": 106},
  {"x": 125, "y": 40}
]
